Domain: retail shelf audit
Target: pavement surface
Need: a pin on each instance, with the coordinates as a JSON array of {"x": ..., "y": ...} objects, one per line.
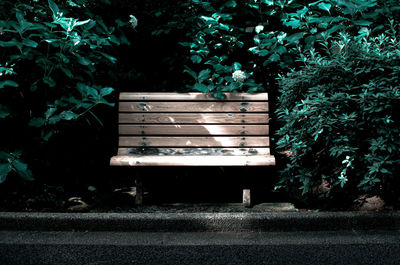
[
  {"x": 18, "y": 247},
  {"x": 200, "y": 238}
]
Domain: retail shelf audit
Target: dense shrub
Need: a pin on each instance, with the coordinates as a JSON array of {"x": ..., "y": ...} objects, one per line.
[
  {"x": 340, "y": 117},
  {"x": 53, "y": 70}
]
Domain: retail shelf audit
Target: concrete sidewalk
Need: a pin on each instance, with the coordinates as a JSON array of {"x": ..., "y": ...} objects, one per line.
[{"x": 201, "y": 222}]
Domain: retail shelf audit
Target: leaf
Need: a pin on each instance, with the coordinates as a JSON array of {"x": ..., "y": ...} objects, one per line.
[
  {"x": 196, "y": 58},
  {"x": 4, "y": 112},
  {"x": 106, "y": 91},
  {"x": 237, "y": 66},
  {"x": 105, "y": 102},
  {"x": 293, "y": 23},
  {"x": 8, "y": 83},
  {"x": 72, "y": 3},
  {"x": 203, "y": 75},
  {"x": 253, "y": 50},
  {"x": 11, "y": 43},
  {"x": 68, "y": 115},
  {"x": 121, "y": 23},
  {"x": 30, "y": 43},
  {"x": 315, "y": 3},
  {"x": 4, "y": 155},
  {"x": 54, "y": 8},
  {"x": 384, "y": 171},
  {"x": 281, "y": 50},
  {"x": 82, "y": 60},
  {"x": 208, "y": 19},
  {"x": 109, "y": 57},
  {"x": 263, "y": 52},
  {"x": 87, "y": 91},
  {"x": 66, "y": 71},
  {"x": 230, "y": 3},
  {"x": 201, "y": 87},
  {"x": 22, "y": 170},
  {"x": 325, "y": 6},
  {"x": 21, "y": 19},
  {"x": 362, "y": 22},
  {"x": 302, "y": 12},
  {"x": 190, "y": 72},
  {"x": 295, "y": 37},
  {"x": 50, "y": 112},
  {"x": 4, "y": 170},
  {"x": 50, "y": 81},
  {"x": 80, "y": 23},
  {"x": 37, "y": 122},
  {"x": 54, "y": 119},
  {"x": 223, "y": 26},
  {"x": 219, "y": 94},
  {"x": 46, "y": 136},
  {"x": 268, "y": 2},
  {"x": 274, "y": 57}
]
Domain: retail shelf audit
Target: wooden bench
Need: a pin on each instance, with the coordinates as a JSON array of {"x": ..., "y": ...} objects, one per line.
[{"x": 193, "y": 129}]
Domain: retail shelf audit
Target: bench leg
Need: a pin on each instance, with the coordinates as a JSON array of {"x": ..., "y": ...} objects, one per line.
[
  {"x": 246, "y": 198},
  {"x": 139, "y": 191}
]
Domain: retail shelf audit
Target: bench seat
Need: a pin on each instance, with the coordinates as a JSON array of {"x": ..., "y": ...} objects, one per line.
[{"x": 155, "y": 160}]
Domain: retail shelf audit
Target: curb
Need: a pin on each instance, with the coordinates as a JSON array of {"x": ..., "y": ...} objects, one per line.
[{"x": 201, "y": 222}]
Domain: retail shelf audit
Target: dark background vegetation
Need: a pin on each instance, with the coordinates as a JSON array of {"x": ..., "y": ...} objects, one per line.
[{"x": 196, "y": 46}]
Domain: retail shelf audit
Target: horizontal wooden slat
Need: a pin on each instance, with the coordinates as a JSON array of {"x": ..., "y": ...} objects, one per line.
[
  {"x": 189, "y": 96},
  {"x": 193, "y": 106},
  {"x": 164, "y": 151},
  {"x": 181, "y": 118},
  {"x": 217, "y": 141},
  {"x": 202, "y": 129},
  {"x": 192, "y": 161}
]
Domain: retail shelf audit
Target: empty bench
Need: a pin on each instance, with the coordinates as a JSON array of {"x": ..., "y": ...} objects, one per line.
[{"x": 193, "y": 129}]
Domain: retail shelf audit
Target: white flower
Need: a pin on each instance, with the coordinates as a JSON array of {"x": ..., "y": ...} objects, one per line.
[
  {"x": 239, "y": 76},
  {"x": 133, "y": 21}
]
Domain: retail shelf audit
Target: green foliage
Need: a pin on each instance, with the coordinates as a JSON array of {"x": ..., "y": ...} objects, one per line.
[
  {"x": 340, "y": 116},
  {"x": 261, "y": 35},
  {"x": 12, "y": 162},
  {"x": 53, "y": 54},
  {"x": 337, "y": 61}
]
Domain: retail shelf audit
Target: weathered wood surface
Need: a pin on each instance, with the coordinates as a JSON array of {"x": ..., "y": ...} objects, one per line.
[
  {"x": 193, "y": 106},
  {"x": 193, "y": 129},
  {"x": 191, "y": 118},
  {"x": 201, "y": 141},
  {"x": 163, "y": 151},
  {"x": 192, "y": 160},
  {"x": 163, "y": 96}
]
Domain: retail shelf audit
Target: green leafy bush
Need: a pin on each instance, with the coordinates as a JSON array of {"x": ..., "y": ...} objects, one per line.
[
  {"x": 54, "y": 55},
  {"x": 340, "y": 116}
]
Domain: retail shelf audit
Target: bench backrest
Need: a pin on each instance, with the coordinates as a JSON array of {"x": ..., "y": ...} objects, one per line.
[{"x": 186, "y": 122}]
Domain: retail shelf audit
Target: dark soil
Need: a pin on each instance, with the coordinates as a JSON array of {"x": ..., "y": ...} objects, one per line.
[{"x": 169, "y": 190}]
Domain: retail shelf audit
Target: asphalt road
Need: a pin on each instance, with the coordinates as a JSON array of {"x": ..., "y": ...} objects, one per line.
[{"x": 338, "y": 247}]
